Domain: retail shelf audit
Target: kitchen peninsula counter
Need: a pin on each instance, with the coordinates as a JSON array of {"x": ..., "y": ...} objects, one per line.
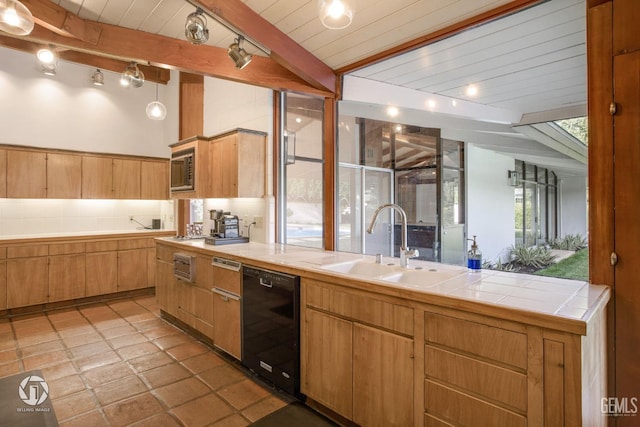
[{"x": 488, "y": 348}]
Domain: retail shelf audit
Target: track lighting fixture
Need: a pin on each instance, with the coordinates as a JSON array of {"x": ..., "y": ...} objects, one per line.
[
  {"x": 48, "y": 61},
  {"x": 156, "y": 109},
  {"x": 195, "y": 29},
  {"x": 132, "y": 76},
  {"x": 335, "y": 14},
  {"x": 97, "y": 77},
  {"x": 238, "y": 55},
  {"x": 15, "y": 18}
]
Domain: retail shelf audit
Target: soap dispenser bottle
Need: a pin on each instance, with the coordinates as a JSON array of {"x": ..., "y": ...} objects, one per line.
[{"x": 474, "y": 257}]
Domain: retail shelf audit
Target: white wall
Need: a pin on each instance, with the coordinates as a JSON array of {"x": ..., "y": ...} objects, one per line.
[
  {"x": 573, "y": 206},
  {"x": 229, "y": 105},
  {"x": 490, "y": 201},
  {"x": 67, "y": 111}
]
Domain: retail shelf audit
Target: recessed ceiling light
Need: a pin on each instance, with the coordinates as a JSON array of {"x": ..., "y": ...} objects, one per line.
[
  {"x": 298, "y": 120},
  {"x": 472, "y": 90},
  {"x": 392, "y": 111},
  {"x": 431, "y": 103},
  {"x": 454, "y": 103}
]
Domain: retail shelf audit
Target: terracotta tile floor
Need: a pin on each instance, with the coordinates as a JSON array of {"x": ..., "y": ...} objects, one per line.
[{"x": 118, "y": 364}]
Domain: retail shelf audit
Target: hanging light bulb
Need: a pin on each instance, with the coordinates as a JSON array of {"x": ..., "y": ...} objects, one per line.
[
  {"x": 156, "y": 109},
  {"x": 15, "y": 18},
  {"x": 335, "y": 14}
]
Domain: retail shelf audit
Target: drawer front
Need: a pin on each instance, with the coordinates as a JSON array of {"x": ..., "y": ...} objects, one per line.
[
  {"x": 228, "y": 280},
  {"x": 27, "y": 251},
  {"x": 367, "y": 310},
  {"x": 66, "y": 248},
  {"x": 489, "y": 342},
  {"x": 124, "y": 245},
  {"x": 102, "y": 246},
  {"x": 165, "y": 253},
  {"x": 459, "y": 408},
  {"x": 496, "y": 383}
]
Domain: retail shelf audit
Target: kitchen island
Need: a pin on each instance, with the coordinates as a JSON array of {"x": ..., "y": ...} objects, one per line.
[{"x": 432, "y": 345}]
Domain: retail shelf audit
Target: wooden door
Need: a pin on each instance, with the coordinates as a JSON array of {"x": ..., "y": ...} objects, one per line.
[
  {"x": 101, "y": 273},
  {"x": 626, "y": 15},
  {"x": 154, "y": 180},
  {"x": 3, "y": 173},
  {"x": 26, "y": 174},
  {"x": 327, "y": 374},
  {"x": 226, "y": 322},
  {"x": 627, "y": 226},
  {"x": 27, "y": 281},
  {"x": 224, "y": 166},
  {"x": 382, "y": 378},
  {"x": 64, "y": 176},
  {"x": 97, "y": 177},
  {"x": 126, "y": 179},
  {"x": 132, "y": 269},
  {"x": 66, "y": 277},
  {"x": 203, "y": 312},
  {"x": 165, "y": 287},
  {"x": 251, "y": 168}
]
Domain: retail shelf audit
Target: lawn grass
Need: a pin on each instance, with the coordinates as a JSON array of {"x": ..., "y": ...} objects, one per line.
[{"x": 575, "y": 267}]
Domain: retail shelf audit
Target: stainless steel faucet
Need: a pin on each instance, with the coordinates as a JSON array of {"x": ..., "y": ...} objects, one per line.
[{"x": 405, "y": 252}]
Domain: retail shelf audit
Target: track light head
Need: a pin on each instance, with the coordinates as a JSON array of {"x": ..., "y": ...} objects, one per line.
[
  {"x": 97, "y": 77},
  {"x": 195, "y": 29},
  {"x": 238, "y": 55},
  {"x": 132, "y": 76}
]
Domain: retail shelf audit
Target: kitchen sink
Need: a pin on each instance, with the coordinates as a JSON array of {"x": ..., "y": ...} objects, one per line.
[
  {"x": 422, "y": 277},
  {"x": 366, "y": 268}
]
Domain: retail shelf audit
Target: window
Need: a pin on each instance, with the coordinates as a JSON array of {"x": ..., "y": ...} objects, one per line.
[{"x": 302, "y": 186}]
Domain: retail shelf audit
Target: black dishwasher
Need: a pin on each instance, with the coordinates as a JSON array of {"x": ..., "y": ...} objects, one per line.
[{"x": 271, "y": 326}]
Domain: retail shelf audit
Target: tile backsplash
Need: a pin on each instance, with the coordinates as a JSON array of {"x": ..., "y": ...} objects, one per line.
[{"x": 51, "y": 216}]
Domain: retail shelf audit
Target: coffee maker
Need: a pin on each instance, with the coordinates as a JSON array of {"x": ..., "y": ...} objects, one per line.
[{"x": 225, "y": 225}]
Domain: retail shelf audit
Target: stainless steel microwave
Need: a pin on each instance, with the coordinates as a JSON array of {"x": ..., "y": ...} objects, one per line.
[{"x": 183, "y": 164}]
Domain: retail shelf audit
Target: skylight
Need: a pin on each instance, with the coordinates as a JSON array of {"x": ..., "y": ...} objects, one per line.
[{"x": 577, "y": 127}]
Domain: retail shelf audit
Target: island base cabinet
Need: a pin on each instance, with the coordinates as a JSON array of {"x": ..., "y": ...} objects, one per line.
[
  {"x": 226, "y": 322},
  {"x": 382, "y": 378},
  {"x": 328, "y": 369}
]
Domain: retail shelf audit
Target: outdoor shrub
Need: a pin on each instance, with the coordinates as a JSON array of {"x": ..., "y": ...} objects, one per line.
[
  {"x": 570, "y": 242},
  {"x": 532, "y": 256}
]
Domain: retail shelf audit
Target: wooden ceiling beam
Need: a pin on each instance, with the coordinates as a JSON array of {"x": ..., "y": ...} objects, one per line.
[
  {"x": 57, "y": 19},
  {"x": 283, "y": 49},
  {"x": 152, "y": 74},
  {"x": 166, "y": 52}
]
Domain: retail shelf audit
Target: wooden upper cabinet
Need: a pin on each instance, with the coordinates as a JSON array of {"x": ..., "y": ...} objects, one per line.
[
  {"x": 238, "y": 164},
  {"x": 126, "y": 179},
  {"x": 64, "y": 176},
  {"x": 626, "y": 38},
  {"x": 154, "y": 180},
  {"x": 26, "y": 174},
  {"x": 97, "y": 177},
  {"x": 3, "y": 173}
]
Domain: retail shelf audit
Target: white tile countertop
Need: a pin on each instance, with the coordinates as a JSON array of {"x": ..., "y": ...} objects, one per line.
[
  {"x": 35, "y": 238},
  {"x": 551, "y": 298}
]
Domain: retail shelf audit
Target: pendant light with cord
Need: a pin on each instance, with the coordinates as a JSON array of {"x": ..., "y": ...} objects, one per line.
[
  {"x": 15, "y": 18},
  {"x": 156, "y": 109}
]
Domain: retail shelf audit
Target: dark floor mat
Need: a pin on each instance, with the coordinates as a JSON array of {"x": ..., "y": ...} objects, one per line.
[
  {"x": 295, "y": 414},
  {"x": 24, "y": 401}
]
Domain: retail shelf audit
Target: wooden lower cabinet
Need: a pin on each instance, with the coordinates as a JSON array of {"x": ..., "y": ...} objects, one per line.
[
  {"x": 3, "y": 285},
  {"x": 226, "y": 323},
  {"x": 132, "y": 269},
  {"x": 165, "y": 287},
  {"x": 66, "y": 277},
  {"x": 382, "y": 378},
  {"x": 27, "y": 281},
  {"x": 101, "y": 273},
  {"x": 327, "y": 357}
]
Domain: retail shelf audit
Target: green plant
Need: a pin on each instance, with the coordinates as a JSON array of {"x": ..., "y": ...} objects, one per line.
[
  {"x": 531, "y": 256},
  {"x": 570, "y": 242}
]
